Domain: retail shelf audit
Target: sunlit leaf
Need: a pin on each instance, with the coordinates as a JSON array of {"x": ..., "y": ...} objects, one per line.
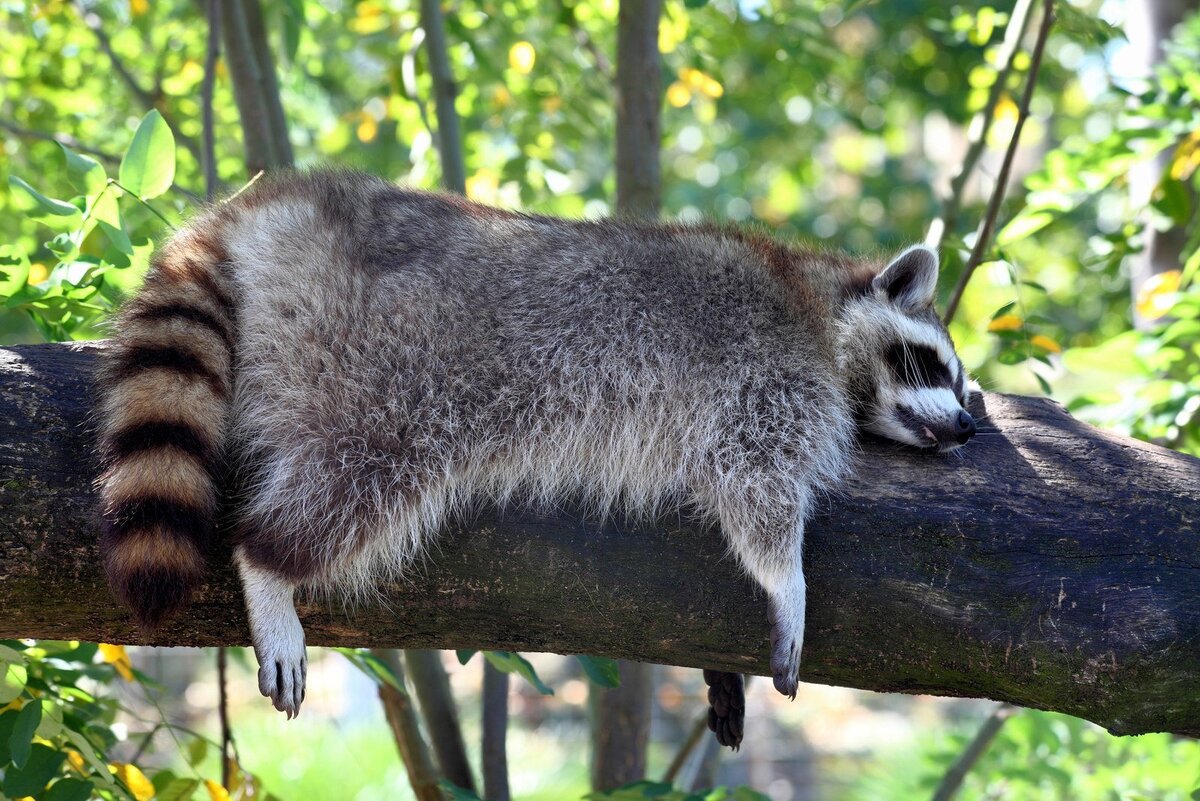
[
  {"x": 215, "y": 791},
  {"x": 1157, "y": 294},
  {"x": 86, "y": 174},
  {"x": 134, "y": 780},
  {"x": 148, "y": 167},
  {"x": 13, "y": 683},
  {"x": 116, "y": 655},
  {"x": 521, "y": 57},
  {"x": 1005, "y": 322},
  {"x": 1022, "y": 226}
]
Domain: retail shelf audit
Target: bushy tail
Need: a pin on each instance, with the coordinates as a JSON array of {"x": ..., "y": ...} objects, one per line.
[{"x": 165, "y": 385}]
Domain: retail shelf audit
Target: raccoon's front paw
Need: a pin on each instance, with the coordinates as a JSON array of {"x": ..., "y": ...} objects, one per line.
[
  {"x": 283, "y": 666},
  {"x": 785, "y": 651},
  {"x": 727, "y": 706}
]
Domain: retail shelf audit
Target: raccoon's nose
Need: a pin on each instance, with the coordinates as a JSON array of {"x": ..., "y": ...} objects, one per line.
[{"x": 965, "y": 427}]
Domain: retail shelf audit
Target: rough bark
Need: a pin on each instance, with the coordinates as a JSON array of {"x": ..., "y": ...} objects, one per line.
[{"x": 1053, "y": 566}]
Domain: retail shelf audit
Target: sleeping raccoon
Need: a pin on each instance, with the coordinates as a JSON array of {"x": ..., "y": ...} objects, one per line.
[{"x": 369, "y": 359}]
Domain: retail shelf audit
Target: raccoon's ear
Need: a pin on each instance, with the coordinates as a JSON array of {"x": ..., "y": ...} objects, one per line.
[{"x": 910, "y": 281}]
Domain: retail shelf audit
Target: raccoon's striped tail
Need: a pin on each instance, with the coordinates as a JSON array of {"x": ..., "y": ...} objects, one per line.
[{"x": 165, "y": 384}]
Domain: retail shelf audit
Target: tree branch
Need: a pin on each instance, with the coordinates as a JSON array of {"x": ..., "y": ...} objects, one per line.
[
  {"x": 148, "y": 99},
  {"x": 1053, "y": 566},
  {"x": 947, "y": 222},
  {"x": 984, "y": 240}
]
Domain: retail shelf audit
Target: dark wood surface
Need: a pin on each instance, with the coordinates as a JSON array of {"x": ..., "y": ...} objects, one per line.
[{"x": 1053, "y": 565}]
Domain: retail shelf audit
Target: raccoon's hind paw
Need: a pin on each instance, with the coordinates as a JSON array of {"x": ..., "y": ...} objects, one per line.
[
  {"x": 727, "y": 706},
  {"x": 283, "y": 666},
  {"x": 785, "y": 651}
]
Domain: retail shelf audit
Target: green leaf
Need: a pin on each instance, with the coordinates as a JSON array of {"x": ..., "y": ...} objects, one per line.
[
  {"x": 13, "y": 681},
  {"x": 73, "y": 790},
  {"x": 197, "y": 751},
  {"x": 601, "y": 670},
  {"x": 1083, "y": 26},
  {"x": 510, "y": 662},
  {"x": 44, "y": 207},
  {"x": 14, "y": 275},
  {"x": 86, "y": 174},
  {"x": 464, "y": 656},
  {"x": 7, "y": 721},
  {"x": 148, "y": 167},
  {"x": 21, "y": 740},
  {"x": 1022, "y": 226},
  {"x": 1173, "y": 199},
  {"x": 456, "y": 793},
  {"x": 374, "y": 667},
  {"x": 39, "y": 769},
  {"x": 177, "y": 789}
]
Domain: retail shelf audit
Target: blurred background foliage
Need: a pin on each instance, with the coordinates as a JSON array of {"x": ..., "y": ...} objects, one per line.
[{"x": 840, "y": 122}]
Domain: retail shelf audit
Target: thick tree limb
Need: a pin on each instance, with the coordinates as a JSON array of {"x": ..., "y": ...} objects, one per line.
[{"x": 1054, "y": 566}]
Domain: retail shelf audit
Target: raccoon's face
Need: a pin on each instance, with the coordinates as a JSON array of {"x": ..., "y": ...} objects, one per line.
[{"x": 908, "y": 382}]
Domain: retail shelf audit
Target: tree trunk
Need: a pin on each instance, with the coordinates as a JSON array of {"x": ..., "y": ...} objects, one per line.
[
  {"x": 1054, "y": 566},
  {"x": 494, "y": 701},
  {"x": 255, "y": 87},
  {"x": 406, "y": 731},
  {"x": 621, "y": 716},
  {"x": 639, "y": 101},
  {"x": 432, "y": 686},
  {"x": 1149, "y": 26}
]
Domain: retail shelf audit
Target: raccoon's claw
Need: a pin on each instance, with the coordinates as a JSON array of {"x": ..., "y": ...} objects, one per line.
[
  {"x": 283, "y": 666},
  {"x": 727, "y": 706},
  {"x": 785, "y": 655},
  {"x": 283, "y": 682}
]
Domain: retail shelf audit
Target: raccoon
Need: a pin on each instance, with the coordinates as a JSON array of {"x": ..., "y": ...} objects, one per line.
[{"x": 368, "y": 360}]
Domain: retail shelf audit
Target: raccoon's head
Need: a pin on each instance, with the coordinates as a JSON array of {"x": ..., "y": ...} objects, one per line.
[{"x": 907, "y": 382}]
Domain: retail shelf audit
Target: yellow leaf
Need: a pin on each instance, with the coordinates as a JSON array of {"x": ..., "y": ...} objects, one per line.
[
  {"x": 697, "y": 81},
  {"x": 215, "y": 791},
  {"x": 139, "y": 7},
  {"x": 1045, "y": 343},
  {"x": 1156, "y": 295},
  {"x": 1006, "y": 110},
  {"x": 133, "y": 778},
  {"x": 1187, "y": 157},
  {"x": 521, "y": 57},
  {"x": 482, "y": 186},
  {"x": 75, "y": 760},
  {"x": 678, "y": 95},
  {"x": 1006, "y": 322},
  {"x": 38, "y": 272},
  {"x": 116, "y": 656},
  {"x": 367, "y": 129}
]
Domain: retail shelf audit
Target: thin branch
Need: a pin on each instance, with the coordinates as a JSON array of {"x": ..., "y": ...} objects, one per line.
[
  {"x": 402, "y": 717},
  {"x": 1018, "y": 23},
  {"x": 454, "y": 173},
  {"x": 495, "y": 733},
  {"x": 227, "y": 746},
  {"x": 150, "y": 100},
  {"x": 585, "y": 40},
  {"x": 209, "y": 162},
  {"x": 695, "y": 735},
  {"x": 993, "y": 211},
  {"x": 949, "y": 786}
]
